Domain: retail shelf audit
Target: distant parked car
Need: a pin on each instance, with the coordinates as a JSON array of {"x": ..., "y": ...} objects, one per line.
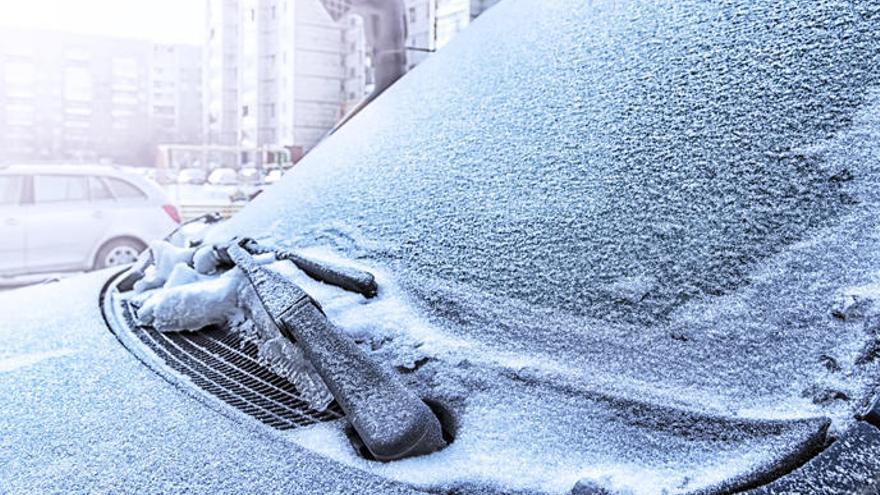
[
  {"x": 223, "y": 177},
  {"x": 159, "y": 175},
  {"x": 249, "y": 175},
  {"x": 273, "y": 176},
  {"x": 195, "y": 176},
  {"x": 69, "y": 218}
]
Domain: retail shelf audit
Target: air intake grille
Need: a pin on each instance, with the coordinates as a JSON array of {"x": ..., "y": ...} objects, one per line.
[{"x": 223, "y": 365}]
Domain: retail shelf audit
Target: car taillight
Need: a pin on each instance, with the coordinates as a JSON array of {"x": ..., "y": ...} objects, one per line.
[{"x": 172, "y": 212}]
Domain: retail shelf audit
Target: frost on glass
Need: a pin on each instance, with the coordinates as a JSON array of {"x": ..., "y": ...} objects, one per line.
[{"x": 662, "y": 203}]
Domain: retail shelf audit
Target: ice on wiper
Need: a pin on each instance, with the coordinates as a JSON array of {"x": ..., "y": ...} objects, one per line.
[
  {"x": 188, "y": 289},
  {"x": 350, "y": 279}
]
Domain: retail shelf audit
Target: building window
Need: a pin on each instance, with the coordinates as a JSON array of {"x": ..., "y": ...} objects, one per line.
[
  {"x": 20, "y": 74},
  {"x": 125, "y": 67},
  {"x": 412, "y": 15},
  {"x": 244, "y": 111},
  {"x": 77, "y": 84}
]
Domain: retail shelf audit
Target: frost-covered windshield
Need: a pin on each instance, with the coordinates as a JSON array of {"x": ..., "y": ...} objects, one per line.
[
  {"x": 591, "y": 181},
  {"x": 607, "y": 160},
  {"x": 673, "y": 205}
]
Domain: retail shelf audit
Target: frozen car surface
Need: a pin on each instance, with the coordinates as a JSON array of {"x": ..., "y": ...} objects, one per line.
[
  {"x": 659, "y": 203},
  {"x": 664, "y": 196},
  {"x": 79, "y": 416},
  {"x": 627, "y": 246}
]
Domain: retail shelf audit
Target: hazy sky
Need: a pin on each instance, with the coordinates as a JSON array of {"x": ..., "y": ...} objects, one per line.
[{"x": 177, "y": 21}]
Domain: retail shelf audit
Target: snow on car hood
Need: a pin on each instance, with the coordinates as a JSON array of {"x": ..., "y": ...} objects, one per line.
[{"x": 80, "y": 414}]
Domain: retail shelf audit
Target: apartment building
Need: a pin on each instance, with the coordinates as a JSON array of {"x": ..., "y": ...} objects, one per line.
[
  {"x": 280, "y": 73},
  {"x": 431, "y": 24},
  {"x": 66, "y": 97},
  {"x": 175, "y": 94}
]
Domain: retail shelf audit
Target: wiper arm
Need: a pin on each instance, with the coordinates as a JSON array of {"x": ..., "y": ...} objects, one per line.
[
  {"x": 350, "y": 279},
  {"x": 391, "y": 420}
]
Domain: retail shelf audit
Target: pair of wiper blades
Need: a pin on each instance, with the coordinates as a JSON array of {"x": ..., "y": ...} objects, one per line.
[{"x": 391, "y": 421}]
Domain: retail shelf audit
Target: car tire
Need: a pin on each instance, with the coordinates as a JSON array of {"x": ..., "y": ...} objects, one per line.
[{"x": 118, "y": 252}]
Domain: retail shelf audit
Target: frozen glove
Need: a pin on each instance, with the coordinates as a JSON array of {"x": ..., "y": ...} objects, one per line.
[
  {"x": 205, "y": 260},
  {"x": 182, "y": 275}
]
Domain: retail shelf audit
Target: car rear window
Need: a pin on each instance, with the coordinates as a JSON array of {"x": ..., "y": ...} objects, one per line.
[
  {"x": 124, "y": 190},
  {"x": 60, "y": 188},
  {"x": 10, "y": 189}
]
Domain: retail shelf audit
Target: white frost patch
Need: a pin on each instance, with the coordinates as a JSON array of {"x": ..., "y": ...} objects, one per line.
[
  {"x": 511, "y": 445},
  {"x": 857, "y": 302},
  {"x": 195, "y": 305},
  {"x": 165, "y": 258},
  {"x": 26, "y": 360}
]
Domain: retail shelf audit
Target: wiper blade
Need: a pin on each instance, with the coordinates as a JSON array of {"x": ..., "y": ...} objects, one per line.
[
  {"x": 391, "y": 420},
  {"x": 350, "y": 279}
]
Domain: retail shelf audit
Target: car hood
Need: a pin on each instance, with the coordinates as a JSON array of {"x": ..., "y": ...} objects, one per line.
[{"x": 80, "y": 414}]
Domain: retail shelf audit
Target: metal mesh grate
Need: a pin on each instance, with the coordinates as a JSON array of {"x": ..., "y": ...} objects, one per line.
[{"x": 223, "y": 365}]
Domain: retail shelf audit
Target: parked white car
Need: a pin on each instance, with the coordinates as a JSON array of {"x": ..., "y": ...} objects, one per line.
[
  {"x": 273, "y": 176},
  {"x": 57, "y": 218},
  {"x": 223, "y": 177},
  {"x": 249, "y": 175},
  {"x": 195, "y": 176}
]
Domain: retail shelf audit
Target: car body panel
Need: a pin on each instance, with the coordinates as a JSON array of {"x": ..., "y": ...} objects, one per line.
[
  {"x": 82, "y": 415},
  {"x": 223, "y": 177},
  {"x": 12, "y": 233},
  {"x": 194, "y": 176},
  {"x": 59, "y": 237}
]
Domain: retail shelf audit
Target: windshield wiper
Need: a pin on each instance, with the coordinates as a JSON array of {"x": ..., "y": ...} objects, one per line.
[
  {"x": 350, "y": 279},
  {"x": 391, "y": 421}
]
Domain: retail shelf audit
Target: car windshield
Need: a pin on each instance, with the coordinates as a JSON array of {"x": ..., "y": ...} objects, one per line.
[
  {"x": 637, "y": 159},
  {"x": 669, "y": 200}
]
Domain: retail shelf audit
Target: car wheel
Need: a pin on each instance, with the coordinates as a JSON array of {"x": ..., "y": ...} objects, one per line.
[{"x": 118, "y": 252}]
